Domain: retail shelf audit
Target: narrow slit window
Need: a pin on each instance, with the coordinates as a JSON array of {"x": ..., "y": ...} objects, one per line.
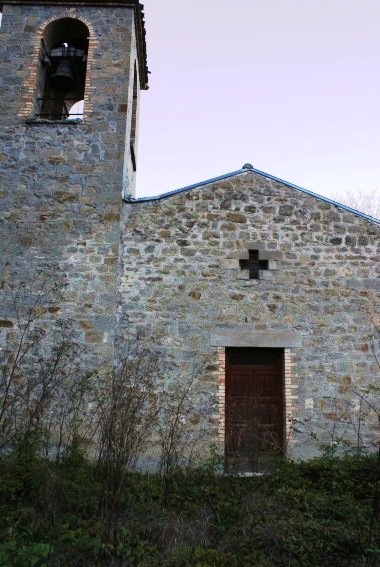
[{"x": 134, "y": 120}]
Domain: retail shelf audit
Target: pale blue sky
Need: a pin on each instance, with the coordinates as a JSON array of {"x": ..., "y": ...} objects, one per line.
[{"x": 291, "y": 86}]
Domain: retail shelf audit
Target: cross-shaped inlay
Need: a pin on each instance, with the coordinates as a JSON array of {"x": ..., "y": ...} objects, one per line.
[{"x": 253, "y": 264}]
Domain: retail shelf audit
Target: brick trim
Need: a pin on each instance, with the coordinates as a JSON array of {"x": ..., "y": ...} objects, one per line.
[
  {"x": 290, "y": 400},
  {"x": 221, "y": 374}
]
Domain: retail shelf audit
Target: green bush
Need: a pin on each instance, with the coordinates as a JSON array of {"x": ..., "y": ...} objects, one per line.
[{"x": 320, "y": 512}]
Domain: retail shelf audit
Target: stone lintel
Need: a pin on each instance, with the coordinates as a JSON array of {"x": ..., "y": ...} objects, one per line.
[
  {"x": 254, "y": 245},
  {"x": 243, "y": 337},
  {"x": 244, "y": 254}
]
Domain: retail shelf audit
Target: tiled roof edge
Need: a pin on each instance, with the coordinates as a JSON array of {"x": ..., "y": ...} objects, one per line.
[
  {"x": 184, "y": 189},
  {"x": 262, "y": 174}
]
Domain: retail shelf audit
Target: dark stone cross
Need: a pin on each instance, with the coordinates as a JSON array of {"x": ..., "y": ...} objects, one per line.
[{"x": 253, "y": 264}]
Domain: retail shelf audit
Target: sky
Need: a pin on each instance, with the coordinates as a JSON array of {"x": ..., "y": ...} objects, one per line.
[{"x": 290, "y": 86}]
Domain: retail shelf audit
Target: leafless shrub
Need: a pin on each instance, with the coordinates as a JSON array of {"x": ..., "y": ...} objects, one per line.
[
  {"x": 178, "y": 424},
  {"x": 129, "y": 413},
  {"x": 180, "y": 428},
  {"x": 40, "y": 373}
]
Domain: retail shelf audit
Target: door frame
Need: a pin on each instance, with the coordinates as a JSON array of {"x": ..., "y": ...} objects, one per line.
[
  {"x": 254, "y": 364},
  {"x": 290, "y": 398}
]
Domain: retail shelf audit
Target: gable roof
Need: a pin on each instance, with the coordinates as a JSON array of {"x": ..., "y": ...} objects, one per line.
[{"x": 248, "y": 168}]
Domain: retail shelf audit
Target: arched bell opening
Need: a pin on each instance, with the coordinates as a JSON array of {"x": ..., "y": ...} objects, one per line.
[{"x": 62, "y": 77}]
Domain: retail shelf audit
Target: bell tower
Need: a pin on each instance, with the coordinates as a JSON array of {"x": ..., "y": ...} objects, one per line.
[{"x": 70, "y": 76}]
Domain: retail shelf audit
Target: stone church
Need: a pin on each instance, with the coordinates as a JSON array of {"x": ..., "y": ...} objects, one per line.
[{"x": 274, "y": 288}]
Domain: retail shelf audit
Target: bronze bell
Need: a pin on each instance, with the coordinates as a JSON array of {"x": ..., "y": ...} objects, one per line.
[{"x": 63, "y": 79}]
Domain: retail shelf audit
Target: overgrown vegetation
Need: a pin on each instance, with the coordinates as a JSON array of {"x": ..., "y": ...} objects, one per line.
[
  {"x": 323, "y": 512},
  {"x": 70, "y": 494}
]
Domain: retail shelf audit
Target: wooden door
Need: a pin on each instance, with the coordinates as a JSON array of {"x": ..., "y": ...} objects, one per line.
[{"x": 254, "y": 408}]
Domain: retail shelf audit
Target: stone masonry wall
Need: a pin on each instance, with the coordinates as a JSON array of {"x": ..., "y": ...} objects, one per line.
[
  {"x": 177, "y": 276},
  {"x": 181, "y": 282},
  {"x": 61, "y": 182}
]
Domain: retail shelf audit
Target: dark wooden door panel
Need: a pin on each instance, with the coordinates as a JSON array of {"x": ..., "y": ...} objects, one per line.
[{"x": 254, "y": 410}]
